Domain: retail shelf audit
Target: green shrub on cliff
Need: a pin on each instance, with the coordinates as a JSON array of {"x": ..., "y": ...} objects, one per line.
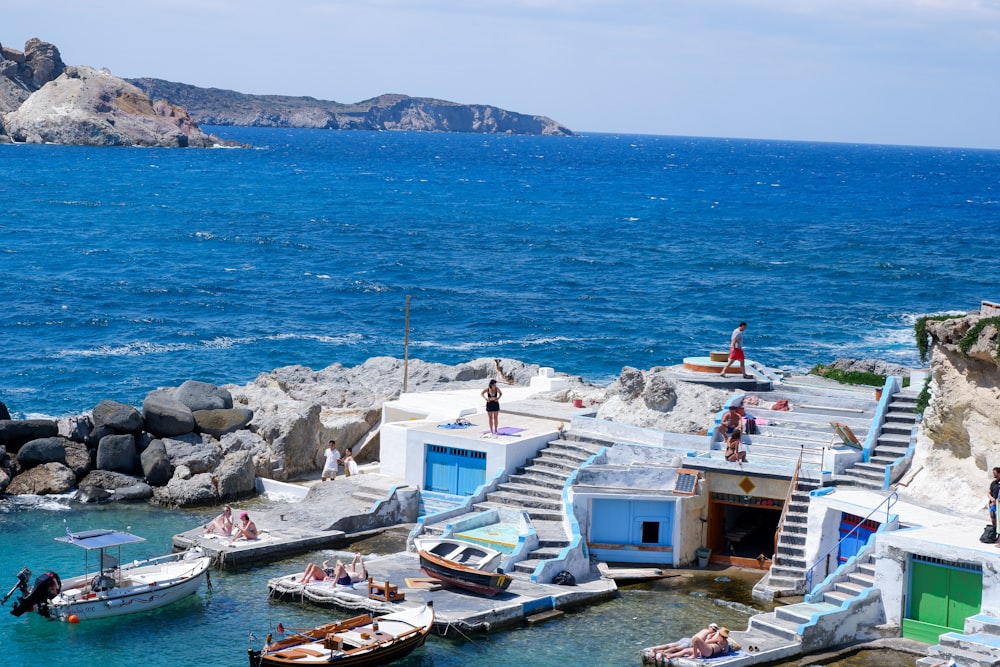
[
  {"x": 923, "y": 338},
  {"x": 972, "y": 336},
  {"x": 848, "y": 377}
]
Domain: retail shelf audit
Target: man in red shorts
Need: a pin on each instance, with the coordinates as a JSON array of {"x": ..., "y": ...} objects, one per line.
[{"x": 736, "y": 351}]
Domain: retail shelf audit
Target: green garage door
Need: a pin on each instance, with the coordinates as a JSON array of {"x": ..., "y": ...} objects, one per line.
[{"x": 942, "y": 595}]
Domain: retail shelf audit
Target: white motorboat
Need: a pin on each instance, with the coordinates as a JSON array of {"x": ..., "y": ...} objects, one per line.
[{"x": 107, "y": 587}]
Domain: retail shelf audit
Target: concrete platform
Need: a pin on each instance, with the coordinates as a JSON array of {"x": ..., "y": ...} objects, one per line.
[
  {"x": 455, "y": 610},
  {"x": 315, "y": 522}
]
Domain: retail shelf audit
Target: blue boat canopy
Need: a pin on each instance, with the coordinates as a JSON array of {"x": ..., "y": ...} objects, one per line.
[{"x": 99, "y": 539}]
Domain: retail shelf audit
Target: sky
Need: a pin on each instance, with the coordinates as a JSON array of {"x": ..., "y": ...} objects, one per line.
[{"x": 909, "y": 72}]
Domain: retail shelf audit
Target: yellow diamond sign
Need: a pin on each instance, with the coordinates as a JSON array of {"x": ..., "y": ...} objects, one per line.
[{"x": 746, "y": 485}]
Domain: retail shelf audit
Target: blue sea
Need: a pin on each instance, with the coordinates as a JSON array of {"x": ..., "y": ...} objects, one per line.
[{"x": 123, "y": 270}]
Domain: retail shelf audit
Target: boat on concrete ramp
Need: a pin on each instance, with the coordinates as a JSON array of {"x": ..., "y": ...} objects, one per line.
[
  {"x": 463, "y": 564},
  {"x": 107, "y": 588},
  {"x": 362, "y": 641}
]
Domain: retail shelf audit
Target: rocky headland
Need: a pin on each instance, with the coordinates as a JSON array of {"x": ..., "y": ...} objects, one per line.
[
  {"x": 43, "y": 100},
  {"x": 212, "y": 106}
]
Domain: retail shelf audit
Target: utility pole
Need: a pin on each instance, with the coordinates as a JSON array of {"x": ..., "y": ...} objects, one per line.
[{"x": 406, "y": 344}]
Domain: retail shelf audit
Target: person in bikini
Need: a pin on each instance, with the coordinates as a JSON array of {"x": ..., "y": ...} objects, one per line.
[
  {"x": 247, "y": 529},
  {"x": 222, "y": 524},
  {"x": 345, "y": 577},
  {"x": 316, "y": 573},
  {"x": 715, "y": 644},
  {"x": 662, "y": 649},
  {"x": 733, "y": 451},
  {"x": 492, "y": 395}
]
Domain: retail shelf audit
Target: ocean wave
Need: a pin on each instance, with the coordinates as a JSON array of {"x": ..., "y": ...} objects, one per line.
[{"x": 144, "y": 348}]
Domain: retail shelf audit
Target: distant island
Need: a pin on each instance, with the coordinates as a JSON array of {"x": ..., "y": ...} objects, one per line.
[
  {"x": 42, "y": 100},
  {"x": 213, "y": 106}
]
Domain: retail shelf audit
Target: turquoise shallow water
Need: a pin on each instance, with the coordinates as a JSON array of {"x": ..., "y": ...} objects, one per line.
[{"x": 212, "y": 627}]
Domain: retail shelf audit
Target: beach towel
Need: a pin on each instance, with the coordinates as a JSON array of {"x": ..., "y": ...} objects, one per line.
[
  {"x": 454, "y": 426},
  {"x": 509, "y": 430}
]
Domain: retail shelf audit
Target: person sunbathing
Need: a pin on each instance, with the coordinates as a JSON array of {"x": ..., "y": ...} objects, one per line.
[
  {"x": 222, "y": 524},
  {"x": 733, "y": 451},
  {"x": 316, "y": 573},
  {"x": 686, "y": 642},
  {"x": 716, "y": 644},
  {"x": 247, "y": 529},
  {"x": 346, "y": 577}
]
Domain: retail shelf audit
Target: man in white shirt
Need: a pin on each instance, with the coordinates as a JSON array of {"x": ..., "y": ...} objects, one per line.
[{"x": 332, "y": 461}]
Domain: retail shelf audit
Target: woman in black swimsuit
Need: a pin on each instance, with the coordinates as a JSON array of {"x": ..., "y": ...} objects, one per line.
[{"x": 492, "y": 395}]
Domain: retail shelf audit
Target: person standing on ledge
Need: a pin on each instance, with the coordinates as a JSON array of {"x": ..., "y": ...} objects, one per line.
[
  {"x": 736, "y": 351},
  {"x": 332, "y": 462},
  {"x": 492, "y": 395},
  {"x": 992, "y": 496}
]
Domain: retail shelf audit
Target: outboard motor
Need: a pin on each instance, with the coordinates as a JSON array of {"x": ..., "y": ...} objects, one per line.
[
  {"x": 21, "y": 585},
  {"x": 47, "y": 586}
]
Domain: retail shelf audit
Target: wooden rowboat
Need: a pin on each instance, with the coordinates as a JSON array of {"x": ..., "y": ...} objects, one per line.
[
  {"x": 362, "y": 641},
  {"x": 463, "y": 564}
]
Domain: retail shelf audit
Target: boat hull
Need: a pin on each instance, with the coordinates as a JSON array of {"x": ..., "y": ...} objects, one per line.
[
  {"x": 351, "y": 643},
  {"x": 471, "y": 579},
  {"x": 150, "y": 585}
]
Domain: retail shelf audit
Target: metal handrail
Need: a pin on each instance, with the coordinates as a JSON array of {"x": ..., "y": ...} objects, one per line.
[
  {"x": 788, "y": 501},
  {"x": 888, "y": 501}
]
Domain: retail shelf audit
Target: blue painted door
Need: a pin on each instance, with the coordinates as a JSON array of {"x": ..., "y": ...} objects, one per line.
[
  {"x": 854, "y": 534},
  {"x": 453, "y": 470}
]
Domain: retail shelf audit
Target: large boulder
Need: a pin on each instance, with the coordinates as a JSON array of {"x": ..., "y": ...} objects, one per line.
[
  {"x": 203, "y": 396},
  {"x": 235, "y": 476},
  {"x": 117, "y": 454},
  {"x": 24, "y": 72},
  {"x": 182, "y": 491},
  {"x": 48, "y": 478},
  {"x": 78, "y": 458},
  {"x": 75, "y": 427},
  {"x": 4, "y": 413},
  {"x": 220, "y": 422},
  {"x": 115, "y": 486},
  {"x": 156, "y": 464},
  {"x": 87, "y": 106},
  {"x": 165, "y": 416},
  {"x": 657, "y": 399},
  {"x": 117, "y": 417},
  {"x": 16, "y": 432},
  {"x": 42, "y": 450},
  {"x": 199, "y": 454}
]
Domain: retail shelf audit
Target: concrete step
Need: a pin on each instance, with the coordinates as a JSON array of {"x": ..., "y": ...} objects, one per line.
[
  {"x": 796, "y": 517},
  {"x": 535, "y": 513},
  {"x": 853, "y": 589},
  {"x": 862, "y": 579},
  {"x": 965, "y": 657},
  {"x": 773, "y": 625},
  {"x": 534, "y": 490},
  {"x": 791, "y": 553},
  {"x": 791, "y": 540},
  {"x": 551, "y": 465},
  {"x": 864, "y": 483},
  {"x": 836, "y": 597},
  {"x": 571, "y": 454},
  {"x": 545, "y": 553},
  {"x": 900, "y": 416},
  {"x": 977, "y": 644},
  {"x": 893, "y": 440},
  {"x": 527, "y": 565},
  {"x": 525, "y": 501},
  {"x": 534, "y": 479},
  {"x": 982, "y": 623},
  {"x": 803, "y": 612},
  {"x": 781, "y": 583},
  {"x": 866, "y": 569},
  {"x": 552, "y": 476},
  {"x": 795, "y": 528},
  {"x": 867, "y": 472}
]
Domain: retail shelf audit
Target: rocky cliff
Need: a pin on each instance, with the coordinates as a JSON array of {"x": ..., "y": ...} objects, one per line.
[
  {"x": 960, "y": 431},
  {"x": 85, "y": 106},
  {"x": 212, "y": 106}
]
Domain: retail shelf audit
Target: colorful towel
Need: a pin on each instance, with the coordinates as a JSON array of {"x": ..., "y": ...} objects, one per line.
[
  {"x": 509, "y": 430},
  {"x": 454, "y": 426}
]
